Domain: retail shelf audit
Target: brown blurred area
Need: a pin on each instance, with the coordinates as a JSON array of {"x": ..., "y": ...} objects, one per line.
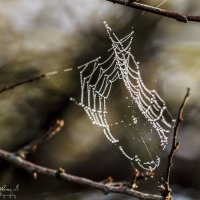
[{"x": 40, "y": 36}]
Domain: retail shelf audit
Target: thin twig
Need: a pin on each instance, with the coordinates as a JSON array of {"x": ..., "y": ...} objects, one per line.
[
  {"x": 31, "y": 148},
  {"x": 165, "y": 189},
  {"x": 158, "y": 11},
  {"x": 60, "y": 174},
  {"x": 140, "y": 176},
  {"x": 30, "y": 80}
]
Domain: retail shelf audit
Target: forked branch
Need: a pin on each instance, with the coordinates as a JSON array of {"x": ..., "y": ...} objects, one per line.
[
  {"x": 62, "y": 175},
  {"x": 158, "y": 11},
  {"x": 31, "y": 147}
]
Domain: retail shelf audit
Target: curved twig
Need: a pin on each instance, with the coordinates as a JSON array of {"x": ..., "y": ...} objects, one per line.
[
  {"x": 30, "y": 80},
  {"x": 60, "y": 174},
  {"x": 33, "y": 145},
  {"x": 158, "y": 11}
]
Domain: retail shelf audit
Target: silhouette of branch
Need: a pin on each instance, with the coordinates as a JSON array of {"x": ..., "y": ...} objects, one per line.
[
  {"x": 165, "y": 189},
  {"x": 31, "y": 148},
  {"x": 30, "y": 80},
  {"x": 62, "y": 175},
  {"x": 158, "y": 11}
]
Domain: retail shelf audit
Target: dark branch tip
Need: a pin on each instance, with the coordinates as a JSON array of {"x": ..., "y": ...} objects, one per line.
[{"x": 182, "y": 18}]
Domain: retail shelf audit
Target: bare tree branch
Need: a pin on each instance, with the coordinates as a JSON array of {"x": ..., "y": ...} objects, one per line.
[
  {"x": 158, "y": 11},
  {"x": 165, "y": 189},
  {"x": 60, "y": 174},
  {"x": 31, "y": 148},
  {"x": 30, "y": 80}
]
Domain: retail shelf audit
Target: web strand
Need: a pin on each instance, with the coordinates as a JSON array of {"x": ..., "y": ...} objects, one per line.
[{"x": 97, "y": 78}]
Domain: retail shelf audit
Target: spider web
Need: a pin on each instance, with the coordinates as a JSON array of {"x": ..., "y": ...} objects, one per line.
[{"x": 97, "y": 80}]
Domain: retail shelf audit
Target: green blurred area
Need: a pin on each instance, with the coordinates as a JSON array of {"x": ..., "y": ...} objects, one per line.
[{"x": 37, "y": 37}]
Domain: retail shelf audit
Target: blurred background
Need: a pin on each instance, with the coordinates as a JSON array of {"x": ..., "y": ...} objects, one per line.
[{"x": 40, "y": 36}]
